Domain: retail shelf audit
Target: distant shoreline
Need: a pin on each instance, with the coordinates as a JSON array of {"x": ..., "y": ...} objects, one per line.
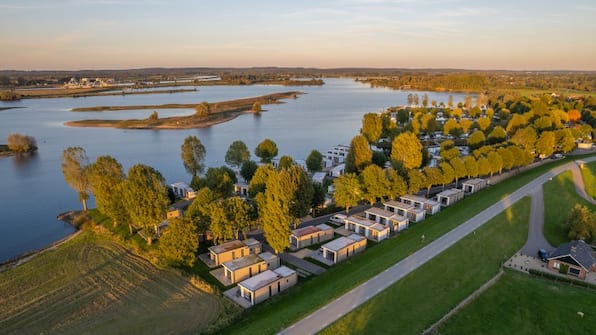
[{"x": 220, "y": 112}]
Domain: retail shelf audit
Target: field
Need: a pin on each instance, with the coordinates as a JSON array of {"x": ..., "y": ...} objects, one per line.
[
  {"x": 520, "y": 304},
  {"x": 93, "y": 285},
  {"x": 589, "y": 174},
  {"x": 424, "y": 296},
  {"x": 559, "y": 197}
]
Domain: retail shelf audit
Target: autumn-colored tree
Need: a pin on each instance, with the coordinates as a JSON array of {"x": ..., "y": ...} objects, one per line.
[
  {"x": 465, "y": 125},
  {"x": 416, "y": 180},
  {"x": 517, "y": 121},
  {"x": 406, "y": 148},
  {"x": 507, "y": 158},
  {"x": 483, "y": 166},
  {"x": 266, "y": 150},
  {"x": 429, "y": 123},
  {"x": 258, "y": 183},
  {"x": 457, "y": 112},
  {"x": 179, "y": 242},
  {"x": 396, "y": 184},
  {"x": 74, "y": 169},
  {"x": 433, "y": 176},
  {"x": 545, "y": 145},
  {"x": 543, "y": 123},
  {"x": 471, "y": 166},
  {"x": 564, "y": 140},
  {"x": 20, "y": 143},
  {"x": 574, "y": 115},
  {"x": 476, "y": 140},
  {"x": 372, "y": 127},
  {"x": 415, "y": 126},
  {"x": 256, "y": 107},
  {"x": 347, "y": 190},
  {"x": 497, "y": 135},
  {"x": 450, "y": 125},
  {"x": 203, "y": 109},
  {"x": 483, "y": 123},
  {"x": 526, "y": 138},
  {"x": 373, "y": 183},
  {"x": 495, "y": 161},
  {"x": 285, "y": 162},
  {"x": 448, "y": 173},
  {"x": 582, "y": 224},
  {"x": 459, "y": 169},
  {"x": 359, "y": 155}
]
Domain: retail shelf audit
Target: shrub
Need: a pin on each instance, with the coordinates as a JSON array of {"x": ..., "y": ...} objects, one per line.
[{"x": 20, "y": 143}]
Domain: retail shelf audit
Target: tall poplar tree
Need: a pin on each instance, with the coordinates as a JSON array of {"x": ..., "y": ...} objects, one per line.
[
  {"x": 74, "y": 168},
  {"x": 406, "y": 148},
  {"x": 359, "y": 155},
  {"x": 373, "y": 183},
  {"x": 347, "y": 190},
  {"x": 193, "y": 155},
  {"x": 106, "y": 178},
  {"x": 372, "y": 127},
  {"x": 237, "y": 154}
]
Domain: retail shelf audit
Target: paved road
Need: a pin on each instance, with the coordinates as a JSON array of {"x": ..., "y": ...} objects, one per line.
[
  {"x": 536, "y": 240},
  {"x": 578, "y": 180},
  {"x": 333, "y": 311}
]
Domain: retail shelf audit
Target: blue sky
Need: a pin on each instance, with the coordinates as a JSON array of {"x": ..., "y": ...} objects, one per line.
[{"x": 93, "y": 34}]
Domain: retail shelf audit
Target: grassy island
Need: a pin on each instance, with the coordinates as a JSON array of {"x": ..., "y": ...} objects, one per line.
[{"x": 210, "y": 114}]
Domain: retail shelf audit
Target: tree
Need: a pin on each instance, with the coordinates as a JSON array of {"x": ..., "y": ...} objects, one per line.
[
  {"x": 525, "y": 137},
  {"x": 425, "y": 100},
  {"x": 433, "y": 176},
  {"x": 457, "y": 113},
  {"x": 266, "y": 150},
  {"x": 248, "y": 169},
  {"x": 359, "y": 155},
  {"x": 146, "y": 198},
  {"x": 347, "y": 190},
  {"x": 373, "y": 183},
  {"x": 450, "y": 101},
  {"x": 218, "y": 222},
  {"x": 220, "y": 180},
  {"x": 459, "y": 169},
  {"x": 497, "y": 135},
  {"x": 429, "y": 123},
  {"x": 507, "y": 158},
  {"x": 258, "y": 183},
  {"x": 471, "y": 166},
  {"x": 74, "y": 169},
  {"x": 475, "y": 112},
  {"x": 20, "y": 143},
  {"x": 465, "y": 125},
  {"x": 406, "y": 148},
  {"x": 237, "y": 215},
  {"x": 193, "y": 155},
  {"x": 449, "y": 126},
  {"x": 476, "y": 140},
  {"x": 564, "y": 140},
  {"x": 582, "y": 224},
  {"x": 274, "y": 210},
  {"x": 256, "y": 107},
  {"x": 483, "y": 166},
  {"x": 285, "y": 162},
  {"x": 396, "y": 185},
  {"x": 198, "y": 211},
  {"x": 372, "y": 127},
  {"x": 203, "y": 109},
  {"x": 448, "y": 173},
  {"x": 237, "y": 154},
  {"x": 483, "y": 123},
  {"x": 545, "y": 145},
  {"x": 416, "y": 180},
  {"x": 179, "y": 242},
  {"x": 544, "y": 122},
  {"x": 314, "y": 161},
  {"x": 495, "y": 161},
  {"x": 106, "y": 178},
  {"x": 301, "y": 198},
  {"x": 574, "y": 115}
]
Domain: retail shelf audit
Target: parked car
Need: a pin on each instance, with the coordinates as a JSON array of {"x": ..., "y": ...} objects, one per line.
[{"x": 543, "y": 255}]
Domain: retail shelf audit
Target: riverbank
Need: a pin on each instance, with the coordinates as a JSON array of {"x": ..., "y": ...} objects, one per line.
[{"x": 219, "y": 112}]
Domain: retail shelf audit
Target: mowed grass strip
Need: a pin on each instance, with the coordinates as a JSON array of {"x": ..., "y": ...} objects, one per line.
[
  {"x": 93, "y": 285},
  {"x": 559, "y": 198},
  {"x": 424, "y": 296},
  {"x": 589, "y": 175},
  {"x": 279, "y": 312},
  {"x": 520, "y": 304}
]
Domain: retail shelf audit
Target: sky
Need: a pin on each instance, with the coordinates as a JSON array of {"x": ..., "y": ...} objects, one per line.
[{"x": 463, "y": 34}]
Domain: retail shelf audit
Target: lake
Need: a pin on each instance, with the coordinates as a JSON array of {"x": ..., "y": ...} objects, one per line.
[{"x": 33, "y": 190}]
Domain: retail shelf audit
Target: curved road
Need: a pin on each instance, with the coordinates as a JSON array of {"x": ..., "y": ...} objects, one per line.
[{"x": 339, "y": 307}]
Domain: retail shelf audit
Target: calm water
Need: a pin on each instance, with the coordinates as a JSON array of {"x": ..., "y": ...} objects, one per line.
[{"x": 33, "y": 191}]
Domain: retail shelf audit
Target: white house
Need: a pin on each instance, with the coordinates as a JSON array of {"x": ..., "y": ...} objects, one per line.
[
  {"x": 430, "y": 206},
  {"x": 319, "y": 177},
  {"x": 336, "y": 155},
  {"x": 394, "y": 221},
  {"x": 183, "y": 190},
  {"x": 267, "y": 284},
  {"x": 473, "y": 185},
  {"x": 449, "y": 197},
  {"x": 412, "y": 213},
  {"x": 338, "y": 171},
  {"x": 369, "y": 228},
  {"x": 303, "y": 237},
  {"x": 343, "y": 247}
]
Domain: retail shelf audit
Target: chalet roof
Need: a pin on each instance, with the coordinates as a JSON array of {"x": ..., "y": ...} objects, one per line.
[
  {"x": 385, "y": 214},
  {"x": 416, "y": 198},
  {"x": 474, "y": 181},
  {"x": 343, "y": 242},
  {"x": 228, "y": 246},
  {"x": 251, "y": 242},
  {"x": 267, "y": 256},
  {"x": 578, "y": 251},
  {"x": 361, "y": 221},
  {"x": 450, "y": 192},
  {"x": 398, "y": 204},
  {"x": 310, "y": 230},
  {"x": 242, "y": 262},
  {"x": 266, "y": 277}
]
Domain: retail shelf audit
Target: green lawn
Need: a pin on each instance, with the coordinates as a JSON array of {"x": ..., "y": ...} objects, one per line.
[
  {"x": 520, "y": 304},
  {"x": 423, "y": 297},
  {"x": 281, "y": 311},
  {"x": 559, "y": 197},
  {"x": 589, "y": 174}
]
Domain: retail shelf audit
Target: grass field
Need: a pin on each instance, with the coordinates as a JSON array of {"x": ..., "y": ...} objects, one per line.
[
  {"x": 520, "y": 304},
  {"x": 559, "y": 197},
  {"x": 93, "y": 285},
  {"x": 424, "y": 296},
  {"x": 282, "y": 311},
  {"x": 589, "y": 174}
]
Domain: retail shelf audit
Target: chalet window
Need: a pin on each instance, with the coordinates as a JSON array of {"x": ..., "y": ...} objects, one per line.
[
  {"x": 574, "y": 271},
  {"x": 556, "y": 265}
]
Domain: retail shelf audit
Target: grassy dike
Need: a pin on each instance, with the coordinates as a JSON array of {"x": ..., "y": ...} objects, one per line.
[
  {"x": 520, "y": 304},
  {"x": 589, "y": 175},
  {"x": 295, "y": 304},
  {"x": 424, "y": 296},
  {"x": 559, "y": 198}
]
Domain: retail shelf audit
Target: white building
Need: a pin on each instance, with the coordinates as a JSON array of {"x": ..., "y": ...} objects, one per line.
[{"x": 336, "y": 155}]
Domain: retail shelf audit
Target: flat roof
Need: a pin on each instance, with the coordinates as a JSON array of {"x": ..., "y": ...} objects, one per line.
[
  {"x": 386, "y": 214},
  {"x": 242, "y": 262},
  {"x": 267, "y": 256},
  {"x": 265, "y": 278},
  {"x": 450, "y": 192},
  {"x": 398, "y": 204},
  {"x": 419, "y": 199},
  {"x": 474, "y": 181},
  {"x": 228, "y": 246},
  {"x": 343, "y": 242},
  {"x": 310, "y": 230},
  {"x": 362, "y": 221},
  {"x": 251, "y": 241},
  {"x": 182, "y": 185}
]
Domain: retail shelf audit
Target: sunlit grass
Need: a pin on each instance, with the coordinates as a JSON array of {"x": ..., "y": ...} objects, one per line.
[{"x": 589, "y": 175}]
